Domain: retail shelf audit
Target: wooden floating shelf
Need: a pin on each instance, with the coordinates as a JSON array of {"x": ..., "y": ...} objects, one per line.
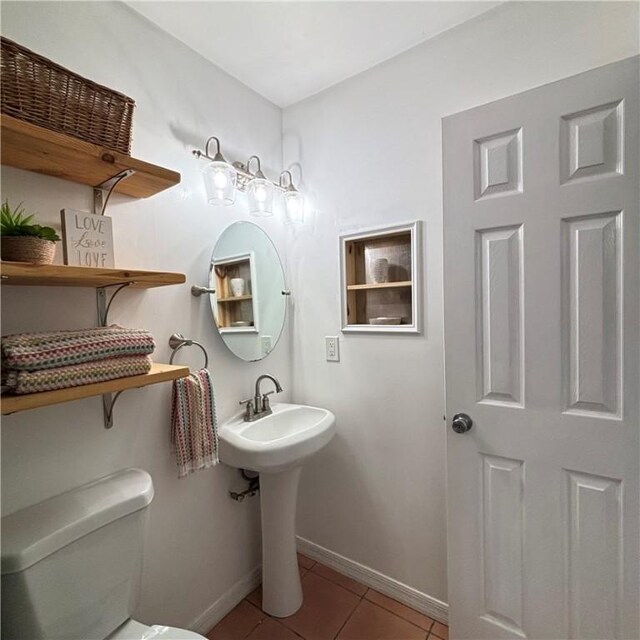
[
  {"x": 379, "y": 285},
  {"x": 158, "y": 373},
  {"x": 56, "y": 275},
  {"x": 33, "y": 148},
  {"x": 234, "y": 299}
]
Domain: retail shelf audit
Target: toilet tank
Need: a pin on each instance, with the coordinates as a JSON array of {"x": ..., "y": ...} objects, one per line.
[{"x": 71, "y": 564}]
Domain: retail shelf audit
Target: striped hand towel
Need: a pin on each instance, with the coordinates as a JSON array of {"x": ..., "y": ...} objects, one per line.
[
  {"x": 194, "y": 428},
  {"x": 53, "y": 349},
  {"x": 75, "y": 375}
]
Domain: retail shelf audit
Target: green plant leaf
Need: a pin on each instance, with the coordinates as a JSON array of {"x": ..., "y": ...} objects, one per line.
[
  {"x": 16, "y": 223},
  {"x": 46, "y": 233}
]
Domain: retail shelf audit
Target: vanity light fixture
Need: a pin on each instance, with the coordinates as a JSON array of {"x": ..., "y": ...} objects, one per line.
[
  {"x": 259, "y": 191},
  {"x": 219, "y": 176},
  {"x": 293, "y": 201},
  {"x": 223, "y": 179}
]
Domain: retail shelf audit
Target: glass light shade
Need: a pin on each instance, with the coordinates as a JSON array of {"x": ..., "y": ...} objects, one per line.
[
  {"x": 260, "y": 195},
  {"x": 293, "y": 207},
  {"x": 220, "y": 182}
]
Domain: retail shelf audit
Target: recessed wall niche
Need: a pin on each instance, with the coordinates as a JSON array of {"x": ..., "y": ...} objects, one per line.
[
  {"x": 235, "y": 299},
  {"x": 380, "y": 280}
]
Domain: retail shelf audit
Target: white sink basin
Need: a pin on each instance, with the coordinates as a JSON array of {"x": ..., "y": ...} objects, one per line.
[{"x": 277, "y": 442}]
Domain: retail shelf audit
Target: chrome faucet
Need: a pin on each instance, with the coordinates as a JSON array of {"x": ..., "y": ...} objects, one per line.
[{"x": 258, "y": 406}]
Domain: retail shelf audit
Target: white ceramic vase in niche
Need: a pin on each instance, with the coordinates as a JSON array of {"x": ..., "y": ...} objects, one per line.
[
  {"x": 380, "y": 270},
  {"x": 237, "y": 287}
]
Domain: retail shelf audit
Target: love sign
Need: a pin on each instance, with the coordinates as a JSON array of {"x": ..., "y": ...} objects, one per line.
[{"x": 87, "y": 239}]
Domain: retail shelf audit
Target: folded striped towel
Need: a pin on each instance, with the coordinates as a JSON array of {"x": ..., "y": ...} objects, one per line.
[
  {"x": 194, "y": 426},
  {"x": 74, "y": 375},
  {"x": 49, "y": 350}
]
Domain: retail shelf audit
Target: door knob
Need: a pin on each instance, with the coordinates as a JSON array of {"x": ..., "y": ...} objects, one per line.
[{"x": 461, "y": 423}]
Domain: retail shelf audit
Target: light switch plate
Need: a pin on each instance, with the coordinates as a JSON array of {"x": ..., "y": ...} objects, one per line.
[{"x": 332, "y": 348}]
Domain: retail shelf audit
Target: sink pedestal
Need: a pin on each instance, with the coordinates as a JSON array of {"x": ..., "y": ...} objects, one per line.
[{"x": 281, "y": 588}]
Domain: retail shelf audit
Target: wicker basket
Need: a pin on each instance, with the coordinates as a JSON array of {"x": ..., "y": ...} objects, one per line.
[
  {"x": 27, "y": 249},
  {"x": 42, "y": 92}
]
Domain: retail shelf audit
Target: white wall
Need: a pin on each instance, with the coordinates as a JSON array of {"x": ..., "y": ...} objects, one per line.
[
  {"x": 370, "y": 149},
  {"x": 199, "y": 541}
]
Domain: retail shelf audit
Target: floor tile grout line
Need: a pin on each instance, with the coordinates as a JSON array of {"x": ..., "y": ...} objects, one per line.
[
  {"x": 350, "y": 615},
  {"x": 393, "y": 613},
  {"x": 427, "y": 633},
  {"x": 433, "y": 621},
  {"x": 253, "y": 629},
  {"x": 338, "y": 584},
  {"x": 267, "y": 616},
  {"x": 335, "y": 584},
  {"x": 294, "y": 632}
]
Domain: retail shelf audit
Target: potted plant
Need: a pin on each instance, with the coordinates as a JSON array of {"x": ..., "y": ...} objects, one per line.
[{"x": 23, "y": 241}]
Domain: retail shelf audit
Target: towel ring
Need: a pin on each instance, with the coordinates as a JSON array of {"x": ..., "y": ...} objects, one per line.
[{"x": 177, "y": 341}]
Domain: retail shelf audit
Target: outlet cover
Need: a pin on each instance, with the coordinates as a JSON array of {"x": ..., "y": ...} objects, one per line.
[{"x": 332, "y": 348}]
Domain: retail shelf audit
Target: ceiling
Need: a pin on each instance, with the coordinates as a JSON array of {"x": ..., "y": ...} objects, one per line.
[{"x": 287, "y": 51}]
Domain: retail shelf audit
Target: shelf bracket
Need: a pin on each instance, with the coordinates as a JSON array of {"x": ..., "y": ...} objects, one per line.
[
  {"x": 99, "y": 201},
  {"x": 104, "y": 304},
  {"x": 108, "y": 402}
]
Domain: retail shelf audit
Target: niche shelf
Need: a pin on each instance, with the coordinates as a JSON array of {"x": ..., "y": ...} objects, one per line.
[
  {"x": 376, "y": 299},
  {"x": 234, "y": 299},
  {"x": 158, "y": 373},
  {"x": 33, "y": 148},
  {"x": 379, "y": 285}
]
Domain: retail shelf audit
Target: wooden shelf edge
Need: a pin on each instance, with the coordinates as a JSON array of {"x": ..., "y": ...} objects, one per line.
[
  {"x": 379, "y": 285},
  {"x": 234, "y": 299},
  {"x": 159, "y": 373},
  {"x": 57, "y": 275},
  {"x": 32, "y": 148}
]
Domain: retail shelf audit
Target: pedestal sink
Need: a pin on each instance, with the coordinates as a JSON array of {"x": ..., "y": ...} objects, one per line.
[{"x": 276, "y": 446}]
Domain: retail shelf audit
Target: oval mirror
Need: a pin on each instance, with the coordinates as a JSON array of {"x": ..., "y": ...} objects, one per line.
[{"x": 248, "y": 305}]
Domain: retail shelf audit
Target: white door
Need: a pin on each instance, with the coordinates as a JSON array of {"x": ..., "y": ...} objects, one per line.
[{"x": 542, "y": 281}]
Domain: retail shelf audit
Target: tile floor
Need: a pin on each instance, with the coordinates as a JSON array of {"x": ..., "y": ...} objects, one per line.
[{"x": 335, "y": 607}]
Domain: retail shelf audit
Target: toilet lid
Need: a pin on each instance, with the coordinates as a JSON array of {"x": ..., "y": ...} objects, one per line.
[{"x": 132, "y": 630}]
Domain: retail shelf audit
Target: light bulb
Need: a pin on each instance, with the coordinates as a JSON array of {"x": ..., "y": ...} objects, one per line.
[
  {"x": 220, "y": 182},
  {"x": 219, "y": 179},
  {"x": 294, "y": 207},
  {"x": 260, "y": 195}
]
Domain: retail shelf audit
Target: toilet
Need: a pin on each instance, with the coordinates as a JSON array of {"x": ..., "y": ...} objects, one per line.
[{"x": 71, "y": 565}]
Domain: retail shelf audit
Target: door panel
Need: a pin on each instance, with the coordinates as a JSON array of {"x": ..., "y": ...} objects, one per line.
[
  {"x": 499, "y": 339},
  {"x": 541, "y": 314},
  {"x": 503, "y": 540},
  {"x": 594, "y": 549},
  {"x": 592, "y": 314}
]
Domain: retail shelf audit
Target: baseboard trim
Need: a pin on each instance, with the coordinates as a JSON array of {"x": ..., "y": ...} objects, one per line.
[
  {"x": 418, "y": 600},
  {"x": 227, "y": 601}
]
